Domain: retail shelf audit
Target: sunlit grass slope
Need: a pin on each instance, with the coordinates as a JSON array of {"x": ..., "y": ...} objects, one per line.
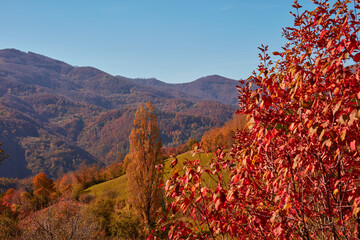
[
  {"x": 118, "y": 185},
  {"x": 204, "y": 159}
]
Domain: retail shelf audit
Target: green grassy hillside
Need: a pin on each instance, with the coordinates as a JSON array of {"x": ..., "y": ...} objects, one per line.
[{"x": 117, "y": 186}]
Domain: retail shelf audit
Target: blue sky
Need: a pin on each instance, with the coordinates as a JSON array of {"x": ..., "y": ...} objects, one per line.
[{"x": 171, "y": 40}]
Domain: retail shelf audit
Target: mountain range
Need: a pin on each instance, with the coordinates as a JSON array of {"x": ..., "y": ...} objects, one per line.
[{"x": 54, "y": 116}]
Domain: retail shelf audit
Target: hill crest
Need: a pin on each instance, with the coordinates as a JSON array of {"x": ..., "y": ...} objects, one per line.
[{"x": 53, "y": 116}]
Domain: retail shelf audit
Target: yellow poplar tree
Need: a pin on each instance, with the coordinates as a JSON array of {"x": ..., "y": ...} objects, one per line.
[{"x": 145, "y": 196}]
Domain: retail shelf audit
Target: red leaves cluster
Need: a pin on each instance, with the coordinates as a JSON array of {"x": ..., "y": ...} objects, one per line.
[
  {"x": 202, "y": 194},
  {"x": 295, "y": 171}
]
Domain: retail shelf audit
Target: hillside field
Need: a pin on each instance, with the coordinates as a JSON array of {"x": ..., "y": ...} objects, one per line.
[{"x": 117, "y": 186}]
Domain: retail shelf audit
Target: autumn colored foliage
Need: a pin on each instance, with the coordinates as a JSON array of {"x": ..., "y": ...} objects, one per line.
[
  {"x": 294, "y": 173},
  {"x": 223, "y": 137},
  {"x": 145, "y": 196},
  {"x": 43, "y": 192},
  {"x": 64, "y": 220},
  {"x": 3, "y": 155}
]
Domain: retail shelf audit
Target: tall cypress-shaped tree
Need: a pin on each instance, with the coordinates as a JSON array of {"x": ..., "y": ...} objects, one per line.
[{"x": 145, "y": 153}]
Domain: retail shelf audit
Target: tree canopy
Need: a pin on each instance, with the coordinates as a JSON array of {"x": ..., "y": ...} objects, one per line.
[
  {"x": 3, "y": 155},
  {"x": 145, "y": 154},
  {"x": 294, "y": 172}
]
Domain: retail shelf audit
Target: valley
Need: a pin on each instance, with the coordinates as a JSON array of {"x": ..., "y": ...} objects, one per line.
[{"x": 54, "y": 116}]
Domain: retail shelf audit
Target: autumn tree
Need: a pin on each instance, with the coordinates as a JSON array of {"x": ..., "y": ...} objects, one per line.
[
  {"x": 43, "y": 191},
  {"x": 294, "y": 172},
  {"x": 9, "y": 214},
  {"x": 223, "y": 136},
  {"x": 87, "y": 175},
  {"x": 64, "y": 184},
  {"x": 145, "y": 196},
  {"x": 64, "y": 220},
  {"x": 3, "y": 155}
]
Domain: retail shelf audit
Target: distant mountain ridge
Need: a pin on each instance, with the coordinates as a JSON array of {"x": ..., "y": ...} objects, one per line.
[
  {"x": 88, "y": 78},
  {"x": 213, "y": 87},
  {"x": 53, "y": 115}
]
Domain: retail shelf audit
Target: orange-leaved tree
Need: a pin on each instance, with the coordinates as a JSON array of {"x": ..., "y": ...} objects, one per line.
[
  {"x": 44, "y": 191},
  {"x": 223, "y": 137},
  {"x": 294, "y": 173},
  {"x": 144, "y": 193}
]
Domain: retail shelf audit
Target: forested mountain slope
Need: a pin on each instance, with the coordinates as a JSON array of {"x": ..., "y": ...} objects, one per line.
[{"x": 53, "y": 116}]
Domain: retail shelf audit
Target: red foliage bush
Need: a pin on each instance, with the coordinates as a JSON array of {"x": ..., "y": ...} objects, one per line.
[{"x": 295, "y": 171}]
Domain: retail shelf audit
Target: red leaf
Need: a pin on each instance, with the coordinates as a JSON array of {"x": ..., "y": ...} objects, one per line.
[
  {"x": 236, "y": 178},
  {"x": 247, "y": 192},
  {"x": 233, "y": 230},
  {"x": 292, "y": 126},
  {"x": 217, "y": 205},
  {"x": 203, "y": 191},
  {"x": 356, "y": 58},
  {"x": 222, "y": 197},
  {"x": 322, "y": 34},
  {"x": 173, "y": 163},
  {"x": 278, "y": 230},
  {"x": 340, "y": 47},
  {"x": 353, "y": 145},
  {"x": 352, "y": 45}
]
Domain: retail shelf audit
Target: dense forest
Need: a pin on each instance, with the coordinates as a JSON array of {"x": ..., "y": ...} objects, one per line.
[
  {"x": 286, "y": 165},
  {"x": 55, "y": 116}
]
